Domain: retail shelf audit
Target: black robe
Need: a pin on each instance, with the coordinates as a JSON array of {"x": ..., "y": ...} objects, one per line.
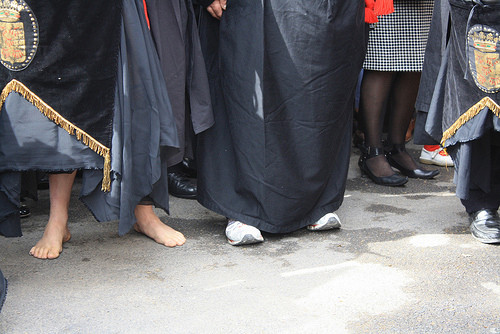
[
  {"x": 143, "y": 129},
  {"x": 434, "y": 53},
  {"x": 175, "y": 33},
  {"x": 282, "y": 76},
  {"x": 465, "y": 106}
]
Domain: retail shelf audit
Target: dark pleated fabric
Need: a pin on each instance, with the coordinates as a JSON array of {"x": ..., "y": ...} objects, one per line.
[
  {"x": 434, "y": 52},
  {"x": 454, "y": 94},
  {"x": 175, "y": 33},
  {"x": 77, "y": 47},
  {"x": 143, "y": 129},
  {"x": 282, "y": 75}
]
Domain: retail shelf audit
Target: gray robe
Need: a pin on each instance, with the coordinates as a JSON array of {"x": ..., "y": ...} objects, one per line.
[
  {"x": 176, "y": 38},
  {"x": 143, "y": 129}
]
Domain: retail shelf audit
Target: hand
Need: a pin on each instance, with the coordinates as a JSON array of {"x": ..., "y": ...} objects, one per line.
[{"x": 217, "y": 8}]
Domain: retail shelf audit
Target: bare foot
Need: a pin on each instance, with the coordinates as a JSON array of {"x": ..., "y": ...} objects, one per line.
[
  {"x": 50, "y": 246},
  {"x": 56, "y": 232},
  {"x": 149, "y": 224}
]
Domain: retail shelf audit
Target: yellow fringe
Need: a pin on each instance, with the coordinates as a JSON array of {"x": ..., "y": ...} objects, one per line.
[
  {"x": 54, "y": 116},
  {"x": 470, "y": 114}
]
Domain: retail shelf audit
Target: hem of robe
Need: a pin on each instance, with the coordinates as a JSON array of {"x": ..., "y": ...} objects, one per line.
[
  {"x": 120, "y": 203},
  {"x": 208, "y": 202},
  {"x": 462, "y": 146},
  {"x": 472, "y": 124},
  {"x": 277, "y": 157},
  {"x": 463, "y": 157}
]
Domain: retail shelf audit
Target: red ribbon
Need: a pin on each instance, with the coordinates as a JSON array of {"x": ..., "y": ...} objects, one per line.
[
  {"x": 374, "y": 8},
  {"x": 146, "y": 14}
]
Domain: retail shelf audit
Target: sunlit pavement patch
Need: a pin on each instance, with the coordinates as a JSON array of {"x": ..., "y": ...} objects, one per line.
[
  {"x": 355, "y": 289},
  {"x": 429, "y": 240}
]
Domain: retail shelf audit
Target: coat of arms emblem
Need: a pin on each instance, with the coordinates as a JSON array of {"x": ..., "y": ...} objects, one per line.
[
  {"x": 484, "y": 57},
  {"x": 19, "y": 34}
]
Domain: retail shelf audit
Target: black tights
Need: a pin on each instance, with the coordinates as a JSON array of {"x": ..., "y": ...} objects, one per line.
[{"x": 400, "y": 90}]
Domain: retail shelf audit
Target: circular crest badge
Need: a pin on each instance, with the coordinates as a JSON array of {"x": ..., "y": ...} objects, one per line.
[
  {"x": 483, "y": 47},
  {"x": 19, "y": 34}
]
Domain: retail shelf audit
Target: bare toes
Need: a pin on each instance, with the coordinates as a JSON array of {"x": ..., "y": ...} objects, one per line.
[
  {"x": 52, "y": 255},
  {"x": 42, "y": 253}
]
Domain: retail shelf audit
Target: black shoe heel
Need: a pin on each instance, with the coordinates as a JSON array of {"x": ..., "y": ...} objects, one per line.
[
  {"x": 413, "y": 173},
  {"x": 393, "y": 180}
]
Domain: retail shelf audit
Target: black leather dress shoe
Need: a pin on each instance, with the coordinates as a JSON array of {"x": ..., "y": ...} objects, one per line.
[
  {"x": 393, "y": 180},
  {"x": 3, "y": 289},
  {"x": 485, "y": 226},
  {"x": 413, "y": 173},
  {"x": 179, "y": 185},
  {"x": 188, "y": 167}
]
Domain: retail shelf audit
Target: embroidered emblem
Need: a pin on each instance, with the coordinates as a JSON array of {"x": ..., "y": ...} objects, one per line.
[
  {"x": 484, "y": 57},
  {"x": 19, "y": 34}
]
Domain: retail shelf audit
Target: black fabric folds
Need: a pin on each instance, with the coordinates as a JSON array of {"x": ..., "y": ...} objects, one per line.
[
  {"x": 434, "y": 53},
  {"x": 282, "y": 75},
  {"x": 175, "y": 33},
  {"x": 74, "y": 68},
  {"x": 460, "y": 80},
  {"x": 456, "y": 113},
  {"x": 143, "y": 131},
  {"x": 464, "y": 114}
]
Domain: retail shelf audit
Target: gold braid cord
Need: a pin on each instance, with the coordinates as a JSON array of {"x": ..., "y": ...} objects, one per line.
[
  {"x": 470, "y": 114},
  {"x": 54, "y": 116}
]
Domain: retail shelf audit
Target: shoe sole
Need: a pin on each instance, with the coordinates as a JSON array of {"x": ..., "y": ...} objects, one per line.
[
  {"x": 328, "y": 226},
  {"x": 432, "y": 162},
  {"x": 399, "y": 184},
  {"x": 483, "y": 240},
  {"x": 246, "y": 240},
  {"x": 183, "y": 196}
]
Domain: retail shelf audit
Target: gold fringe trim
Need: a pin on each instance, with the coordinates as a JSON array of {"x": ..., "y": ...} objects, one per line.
[
  {"x": 54, "y": 116},
  {"x": 470, "y": 114}
]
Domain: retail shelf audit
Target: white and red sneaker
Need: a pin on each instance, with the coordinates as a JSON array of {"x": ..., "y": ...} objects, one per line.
[
  {"x": 435, "y": 155},
  {"x": 327, "y": 222},
  {"x": 239, "y": 233}
]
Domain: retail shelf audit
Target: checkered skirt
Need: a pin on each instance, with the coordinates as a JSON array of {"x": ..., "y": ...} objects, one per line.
[{"x": 397, "y": 42}]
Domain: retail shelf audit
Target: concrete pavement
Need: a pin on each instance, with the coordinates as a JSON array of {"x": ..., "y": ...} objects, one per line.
[{"x": 403, "y": 262}]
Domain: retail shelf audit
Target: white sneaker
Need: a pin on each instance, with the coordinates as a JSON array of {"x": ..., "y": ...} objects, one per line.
[
  {"x": 238, "y": 233},
  {"x": 437, "y": 157},
  {"x": 327, "y": 222}
]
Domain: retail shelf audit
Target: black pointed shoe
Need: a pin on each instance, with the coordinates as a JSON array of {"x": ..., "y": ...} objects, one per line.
[
  {"x": 179, "y": 185},
  {"x": 485, "y": 226},
  {"x": 393, "y": 180},
  {"x": 413, "y": 173},
  {"x": 189, "y": 167}
]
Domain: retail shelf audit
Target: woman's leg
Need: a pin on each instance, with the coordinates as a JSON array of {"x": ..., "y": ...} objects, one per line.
[
  {"x": 375, "y": 88},
  {"x": 403, "y": 97}
]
